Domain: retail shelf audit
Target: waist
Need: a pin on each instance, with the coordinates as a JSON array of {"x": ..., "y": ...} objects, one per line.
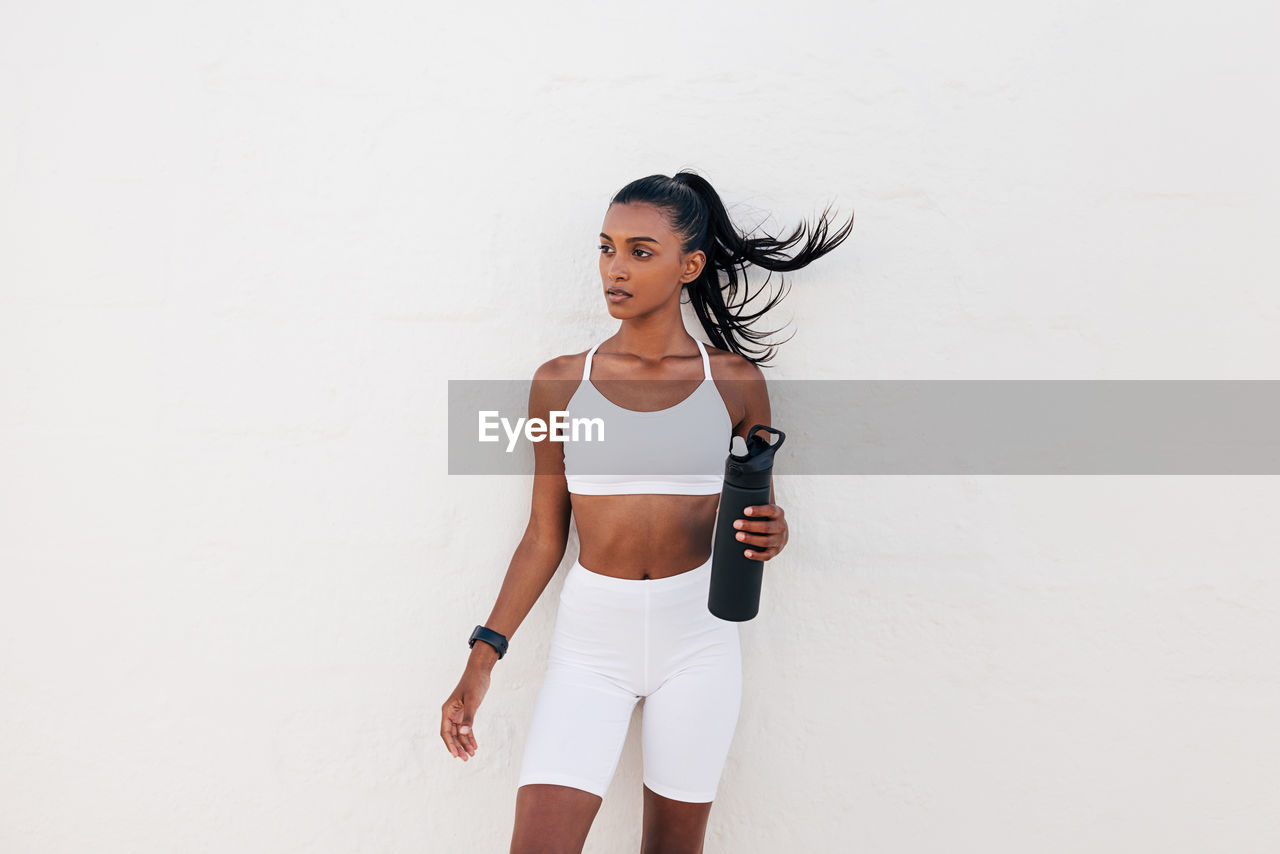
[
  {"x": 699, "y": 576},
  {"x": 629, "y": 535}
]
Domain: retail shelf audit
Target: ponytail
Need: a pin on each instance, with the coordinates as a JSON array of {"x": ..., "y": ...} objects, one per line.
[{"x": 699, "y": 216}]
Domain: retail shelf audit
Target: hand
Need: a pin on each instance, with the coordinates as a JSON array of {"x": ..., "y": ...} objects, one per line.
[
  {"x": 763, "y": 530},
  {"x": 458, "y": 713}
]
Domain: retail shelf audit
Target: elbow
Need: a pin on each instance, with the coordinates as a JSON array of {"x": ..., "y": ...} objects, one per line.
[{"x": 553, "y": 539}]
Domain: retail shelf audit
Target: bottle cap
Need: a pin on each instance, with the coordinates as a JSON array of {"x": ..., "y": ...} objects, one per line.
[{"x": 751, "y": 461}]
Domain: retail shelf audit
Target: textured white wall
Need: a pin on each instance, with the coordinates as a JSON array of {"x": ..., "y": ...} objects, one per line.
[{"x": 245, "y": 245}]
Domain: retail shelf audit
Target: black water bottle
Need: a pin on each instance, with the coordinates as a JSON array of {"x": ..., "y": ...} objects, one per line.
[{"x": 735, "y": 578}]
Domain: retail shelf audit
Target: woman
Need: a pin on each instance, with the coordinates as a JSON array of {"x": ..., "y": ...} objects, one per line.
[{"x": 632, "y": 619}]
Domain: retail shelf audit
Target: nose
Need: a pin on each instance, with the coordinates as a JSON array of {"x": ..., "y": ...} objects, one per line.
[{"x": 617, "y": 269}]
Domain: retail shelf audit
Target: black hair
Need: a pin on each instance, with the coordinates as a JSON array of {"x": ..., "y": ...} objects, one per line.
[{"x": 696, "y": 213}]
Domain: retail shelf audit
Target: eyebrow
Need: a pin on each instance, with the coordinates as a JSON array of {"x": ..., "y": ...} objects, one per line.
[{"x": 630, "y": 239}]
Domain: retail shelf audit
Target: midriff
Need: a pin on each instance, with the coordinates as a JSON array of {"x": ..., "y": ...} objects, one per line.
[{"x": 642, "y": 536}]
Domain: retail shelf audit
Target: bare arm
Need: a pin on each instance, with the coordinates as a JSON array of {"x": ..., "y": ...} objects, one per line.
[
  {"x": 534, "y": 562},
  {"x": 547, "y": 534},
  {"x": 764, "y": 531}
]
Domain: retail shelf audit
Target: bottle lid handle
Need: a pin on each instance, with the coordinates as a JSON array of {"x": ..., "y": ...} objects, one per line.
[
  {"x": 781, "y": 437},
  {"x": 744, "y": 448}
]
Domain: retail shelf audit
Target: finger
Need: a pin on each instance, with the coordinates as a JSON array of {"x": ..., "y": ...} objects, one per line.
[
  {"x": 760, "y": 540},
  {"x": 758, "y": 510},
  {"x": 453, "y": 716},
  {"x": 466, "y": 728},
  {"x": 760, "y": 526},
  {"x": 459, "y": 740},
  {"x": 760, "y": 555},
  {"x": 447, "y": 735}
]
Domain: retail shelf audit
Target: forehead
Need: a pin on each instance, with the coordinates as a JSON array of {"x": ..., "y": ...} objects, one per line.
[{"x": 623, "y": 221}]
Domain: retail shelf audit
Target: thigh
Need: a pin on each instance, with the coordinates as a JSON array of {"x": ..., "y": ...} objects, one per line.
[
  {"x": 579, "y": 724},
  {"x": 672, "y": 826},
  {"x": 552, "y": 819},
  {"x": 690, "y": 719}
]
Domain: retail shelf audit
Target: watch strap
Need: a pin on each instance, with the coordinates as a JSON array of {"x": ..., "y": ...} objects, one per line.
[{"x": 489, "y": 636}]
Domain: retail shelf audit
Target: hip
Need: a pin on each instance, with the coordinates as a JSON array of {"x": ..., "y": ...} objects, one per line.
[{"x": 603, "y": 621}]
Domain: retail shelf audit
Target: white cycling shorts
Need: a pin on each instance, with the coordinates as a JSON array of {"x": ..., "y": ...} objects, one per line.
[{"x": 618, "y": 640}]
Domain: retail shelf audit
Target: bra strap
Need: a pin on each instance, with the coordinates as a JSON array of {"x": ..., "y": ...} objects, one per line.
[
  {"x": 586, "y": 367},
  {"x": 706, "y": 361}
]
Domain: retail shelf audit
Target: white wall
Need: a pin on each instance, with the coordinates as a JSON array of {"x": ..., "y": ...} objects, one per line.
[{"x": 244, "y": 247}]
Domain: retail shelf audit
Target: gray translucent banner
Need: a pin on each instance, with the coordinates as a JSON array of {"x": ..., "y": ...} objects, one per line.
[{"x": 916, "y": 426}]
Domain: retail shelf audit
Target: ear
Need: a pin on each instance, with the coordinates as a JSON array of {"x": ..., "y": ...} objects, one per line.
[{"x": 693, "y": 266}]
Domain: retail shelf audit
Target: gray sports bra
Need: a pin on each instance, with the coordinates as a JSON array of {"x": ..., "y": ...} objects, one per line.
[{"x": 678, "y": 450}]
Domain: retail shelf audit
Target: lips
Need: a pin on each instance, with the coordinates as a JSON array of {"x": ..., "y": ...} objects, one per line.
[{"x": 618, "y": 291}]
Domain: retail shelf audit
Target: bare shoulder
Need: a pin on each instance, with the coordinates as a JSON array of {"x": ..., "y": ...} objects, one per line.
[
  {"x": 727, "y": 365},
  {"x": 555, "y": 381},
  {"x": 566, "y": 367},
  {"x": 742, "y": 387}
]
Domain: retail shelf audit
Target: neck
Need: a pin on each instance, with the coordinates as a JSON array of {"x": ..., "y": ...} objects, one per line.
[{"x": 654, "y": 336}]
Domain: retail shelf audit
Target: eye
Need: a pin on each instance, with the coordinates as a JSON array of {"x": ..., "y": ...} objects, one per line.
[{"x": 644, "y": 253}]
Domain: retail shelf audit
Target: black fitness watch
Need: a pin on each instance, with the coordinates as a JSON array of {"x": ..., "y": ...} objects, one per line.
[{"x": 489, "y": 636}]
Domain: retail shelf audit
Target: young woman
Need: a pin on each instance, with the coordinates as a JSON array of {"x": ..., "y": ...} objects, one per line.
[{"x": 632, "y": 620}]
